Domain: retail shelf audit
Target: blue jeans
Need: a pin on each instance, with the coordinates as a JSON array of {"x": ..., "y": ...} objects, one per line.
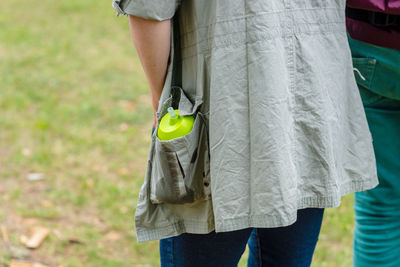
[
  {"x": 377, "y": 220},
  {"x": 283, "y": 246}
]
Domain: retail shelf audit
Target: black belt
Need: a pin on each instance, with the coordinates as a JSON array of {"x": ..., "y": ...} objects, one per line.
[{"x": 378, "y": 19}]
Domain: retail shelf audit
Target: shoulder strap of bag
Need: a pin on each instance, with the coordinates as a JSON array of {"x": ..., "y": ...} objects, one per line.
[{"x": 176, "y": 80}]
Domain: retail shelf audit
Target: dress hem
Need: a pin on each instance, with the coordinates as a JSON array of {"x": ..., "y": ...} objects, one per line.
[{"x": 257, "y": 221}]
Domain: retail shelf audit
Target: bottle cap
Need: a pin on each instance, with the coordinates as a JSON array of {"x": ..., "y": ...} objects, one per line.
[{"x": 173, "y": 125}]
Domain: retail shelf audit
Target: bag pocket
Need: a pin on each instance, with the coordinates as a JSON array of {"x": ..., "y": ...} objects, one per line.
[
  {"x": 364, "y": 71},
  {"x": 180, "y": 171},
  {"x": 116, "y": 6}
]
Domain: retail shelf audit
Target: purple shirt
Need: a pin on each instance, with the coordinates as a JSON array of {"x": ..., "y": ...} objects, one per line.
[
  {"x": 388, "y": 37},
  {"x": 385, "y": 6}
]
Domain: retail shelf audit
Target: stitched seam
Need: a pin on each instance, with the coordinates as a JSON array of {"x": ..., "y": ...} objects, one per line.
[
  {"x": 262, "y": 14},
  {"x": 272, "y": 27},
  {"x": 248, "y": 103},
  {"x": 230, "y": 43}
]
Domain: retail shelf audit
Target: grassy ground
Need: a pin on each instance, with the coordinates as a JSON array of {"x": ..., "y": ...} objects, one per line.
[{"x": 74, "y": 106}]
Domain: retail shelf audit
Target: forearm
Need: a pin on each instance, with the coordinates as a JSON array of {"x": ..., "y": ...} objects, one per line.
[{"x": 152, "y": 41}]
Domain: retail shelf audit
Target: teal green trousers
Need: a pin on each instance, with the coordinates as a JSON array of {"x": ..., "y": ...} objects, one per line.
[{"x": 377, "y": 228}]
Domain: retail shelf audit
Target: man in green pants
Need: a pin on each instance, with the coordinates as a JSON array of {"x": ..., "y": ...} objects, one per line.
[{"x": 374, "y": 29}]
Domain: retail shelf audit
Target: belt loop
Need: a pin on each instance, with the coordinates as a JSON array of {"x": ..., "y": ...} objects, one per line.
[{"x": 381, "y": 19}]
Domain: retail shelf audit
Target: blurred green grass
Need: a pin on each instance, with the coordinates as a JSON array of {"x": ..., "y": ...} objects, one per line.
[{"x": 74, "y": 105}]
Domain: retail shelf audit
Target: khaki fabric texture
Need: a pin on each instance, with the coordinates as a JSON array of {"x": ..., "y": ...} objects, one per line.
[{"x": 287, "y": 130}]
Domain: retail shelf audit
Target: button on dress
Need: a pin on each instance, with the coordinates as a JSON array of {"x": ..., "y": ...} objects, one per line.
[{"x": 283, "y": 122}]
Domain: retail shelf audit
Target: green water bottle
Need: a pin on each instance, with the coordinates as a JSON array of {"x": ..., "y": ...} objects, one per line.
[{"x": 173, "y": 125}]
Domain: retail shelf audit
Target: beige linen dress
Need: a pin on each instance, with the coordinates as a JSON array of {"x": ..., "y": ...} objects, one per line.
[{"x": 279, "y": 121}]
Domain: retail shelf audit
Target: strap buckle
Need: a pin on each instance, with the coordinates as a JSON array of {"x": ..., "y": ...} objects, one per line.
[{"x": 381, "y": 19}]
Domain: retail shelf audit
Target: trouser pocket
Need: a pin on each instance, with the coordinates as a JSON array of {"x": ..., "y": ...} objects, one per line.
[{"x": 180, "y": 171}]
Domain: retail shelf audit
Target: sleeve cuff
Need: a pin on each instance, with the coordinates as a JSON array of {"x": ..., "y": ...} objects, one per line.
[{"x": 147, "y": 9}]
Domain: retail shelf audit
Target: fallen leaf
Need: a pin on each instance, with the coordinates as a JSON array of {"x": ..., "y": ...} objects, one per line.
[
  {"x": 17, "y": 263},
  {"x": 75, "y": 240},
  {"x": 35, "y": 176},
  {"x": 26, "y": 152},
  {"x": 38, "y": 236}
]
